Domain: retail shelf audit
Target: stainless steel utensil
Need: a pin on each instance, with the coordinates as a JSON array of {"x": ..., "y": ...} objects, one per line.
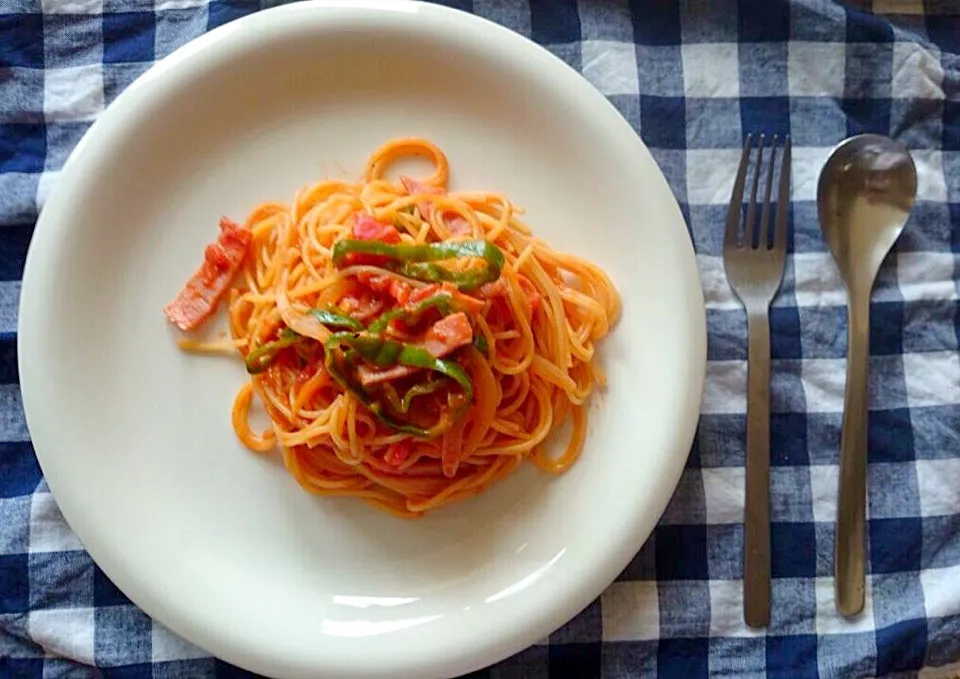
[
  {"x": 754, "y": 258},
  {"x": 865, "y": 194}
]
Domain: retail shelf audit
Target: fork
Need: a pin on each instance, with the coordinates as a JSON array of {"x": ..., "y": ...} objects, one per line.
[{"x": 754, "y": 268}]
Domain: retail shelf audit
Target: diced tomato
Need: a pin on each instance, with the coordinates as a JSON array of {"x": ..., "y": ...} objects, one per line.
[
  {"x": 471, "y": 304},
  {"x": 396, "y": 287},
  {"x": 532, "y": 295},
  {"x": 199, "y": 298},
  {"x": 400, "y": 325},
  {"x": 412, "y": 298},
  {"x": 397, "y": 453},
  {"x": 424, "y": 293},
  {"x": 498, "y": 289},
  {"x": 399, "y": 290},
  {"x": 361, "y": 307}
]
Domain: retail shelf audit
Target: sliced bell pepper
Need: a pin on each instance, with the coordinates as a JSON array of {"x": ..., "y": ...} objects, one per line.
[
  {"x": 415, "y": 261},
  {"x": 260, "y": 358},
  {"x": 445, "y": 304},
  {"x": 334, "y": 319}
]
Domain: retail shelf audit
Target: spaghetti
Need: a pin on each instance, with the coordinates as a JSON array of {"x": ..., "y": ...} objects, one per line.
[{"x": 411, "y": 346}]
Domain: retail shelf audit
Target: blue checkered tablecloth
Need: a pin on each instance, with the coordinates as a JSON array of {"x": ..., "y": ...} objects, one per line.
[{"x": 693, "y": 77}]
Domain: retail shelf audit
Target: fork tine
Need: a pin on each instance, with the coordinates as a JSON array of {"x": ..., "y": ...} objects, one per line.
[
  {"x": 783, "y": 198},
  {"x": 749, "y": 232},
  {"x": 736, "y": 196},
  {"x": 765, "y": 212}
]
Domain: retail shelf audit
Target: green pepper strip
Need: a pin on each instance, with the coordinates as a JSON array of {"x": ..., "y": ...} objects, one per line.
[
  {"x": 334, "y": 319},
  {"x": 392, "y": 397},
  {"x": 481, "y": 345},
  {"x": 420, "y": 390},
  {"x": 385, "y": 354},
  {"x": 413, "y": 261},
  {"x": 263, "y": 356},
  {"x": 443, "y": 303},
  {"x": 260, "y": 358},
  {"x": 402, "y": 405}
]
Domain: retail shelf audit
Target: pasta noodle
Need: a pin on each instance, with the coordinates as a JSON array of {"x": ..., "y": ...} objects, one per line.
[{"x": 392, "y": 369}]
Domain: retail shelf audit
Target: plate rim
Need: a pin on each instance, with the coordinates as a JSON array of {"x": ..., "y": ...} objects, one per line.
[{"x": 484, "y": 654}]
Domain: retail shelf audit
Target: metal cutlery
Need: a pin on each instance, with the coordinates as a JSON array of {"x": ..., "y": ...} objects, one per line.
[
  {"x": 865, "y": 194},
  {"x": 754, "y": 255}
]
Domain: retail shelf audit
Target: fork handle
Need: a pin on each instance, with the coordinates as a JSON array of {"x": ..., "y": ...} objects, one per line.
[
  {"x": 756, "y": 567},
  {"x": 850, "y": 546}
]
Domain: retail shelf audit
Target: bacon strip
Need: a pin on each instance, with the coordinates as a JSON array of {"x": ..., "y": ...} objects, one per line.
[
  {"x": 391, "y": 285},
  {"x": 222, "y": 259},
  {"x": 367, "y": 228},
  {"x": 448, "y": 334}
]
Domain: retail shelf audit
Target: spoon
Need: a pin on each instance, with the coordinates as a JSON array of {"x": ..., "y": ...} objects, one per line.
[{"x": 865, "y": 194}]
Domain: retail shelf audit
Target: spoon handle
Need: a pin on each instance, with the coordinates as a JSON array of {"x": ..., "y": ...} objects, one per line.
[
  {"x": 756, "y": 566},
  {"x": 850, "y": 548}
]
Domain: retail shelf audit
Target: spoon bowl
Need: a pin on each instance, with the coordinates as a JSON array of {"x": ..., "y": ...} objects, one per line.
[
  {"x": 866, "y": 191},
  {"x": 865, "y": 194}
]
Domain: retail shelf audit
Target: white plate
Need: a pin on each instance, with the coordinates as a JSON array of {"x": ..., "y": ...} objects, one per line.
[{"x": 134, "y": 437}]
